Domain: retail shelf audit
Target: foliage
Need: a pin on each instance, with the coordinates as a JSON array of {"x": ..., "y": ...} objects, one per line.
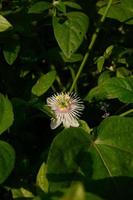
[{"x": 49, "y": 47}]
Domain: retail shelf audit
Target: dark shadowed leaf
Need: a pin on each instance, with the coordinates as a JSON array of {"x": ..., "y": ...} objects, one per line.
[
  {"x": 61, "y": 164},
  {"x": 11, "y": 52}
]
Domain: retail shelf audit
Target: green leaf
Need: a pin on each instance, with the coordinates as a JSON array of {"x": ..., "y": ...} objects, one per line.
[
  {"x": 104, "y": 76},
  {"x": 90, "y": 196},
  {"x": 108, "y": 51},
  {"x": 60, "y": 6},
  {"x": 41, "y": 180},
  {"x": 4, "y": 24},
  {"x": 97, "y": 93},
  {"x": 11, "y": 52},
  {"x": 128, "y": 4},
  {"x": 122, "y": 72},
  {"x": 120, "y": 11},
  {"x": 44, "y": 83},
  {"x": 114, "y": 133},
  {"x": 84, "y": 126},
  {"x": 39, "y": 7},
  {"x": 6, "y": 113},
  {"x": 21, "y": 192},
  {"x": 71, "y": 32},
  {"x": 72, "y": 5},
  {"x": 75, "y": 192},
  {"x": 100, "y": 63},
  {"x": 74, "y": 58},
  {"x": 61, "y": 163},
  {"x": 112, "y": 155},
  {"x": 121, "y": 88},
  {"x": 7, "y": 159}
]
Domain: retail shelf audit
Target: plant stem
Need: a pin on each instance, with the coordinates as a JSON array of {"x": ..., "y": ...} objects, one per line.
[
  {"x": 93, "y": 39},
  {"x": 126, "y": 113}
]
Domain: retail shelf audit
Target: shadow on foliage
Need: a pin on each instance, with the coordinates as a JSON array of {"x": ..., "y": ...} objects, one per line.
[
  {"x": 112, "y": 188},
  {"x": 5, "y": 194},
  {"x": 108, "y": 188}
]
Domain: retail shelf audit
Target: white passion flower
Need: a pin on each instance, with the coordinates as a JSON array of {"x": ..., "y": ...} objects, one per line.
[{"x": 66, "y": 108}]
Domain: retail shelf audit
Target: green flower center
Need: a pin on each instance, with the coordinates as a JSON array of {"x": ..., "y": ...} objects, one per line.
[{"x": 63, "y": 101}]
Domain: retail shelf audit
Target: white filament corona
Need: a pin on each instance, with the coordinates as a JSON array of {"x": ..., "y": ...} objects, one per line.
[{"x": 66, "y": 108}]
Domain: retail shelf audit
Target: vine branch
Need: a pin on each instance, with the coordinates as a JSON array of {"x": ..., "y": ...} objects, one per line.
[{"x": 93, "y": 39}]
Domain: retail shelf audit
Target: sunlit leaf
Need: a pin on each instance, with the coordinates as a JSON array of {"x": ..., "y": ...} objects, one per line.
[
  {"x": 75, "y": 192},
  {"x": 41, "y": 180},
  {"x": 4, "y": 24},
  {"x": 6, "y": 113},
  {"x": 21, "y": 193},
  {"x": 7, "y": 158}
]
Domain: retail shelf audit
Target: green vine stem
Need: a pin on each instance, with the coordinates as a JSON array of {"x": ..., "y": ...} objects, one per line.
[
  {"x": 126, "y": 113},
  {"x": 93, "y": 39}
]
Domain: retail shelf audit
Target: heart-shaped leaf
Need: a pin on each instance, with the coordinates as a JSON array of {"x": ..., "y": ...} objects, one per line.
[
  {"x": 61, "y": 164},
  {"x": 103, "y": 160},
  {"x": 113, "y": 148},
  {"x": 70, "y": 31},
  {"x": 112, "y": 157},
  {"x": 7, "y": 159}
]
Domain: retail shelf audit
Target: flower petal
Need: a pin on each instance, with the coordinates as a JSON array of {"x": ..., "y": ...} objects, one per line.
[
  {"x": 54, "y": 123},
  {"x": 67, "y": 107},
  {"x": 74, "y": 123}
]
